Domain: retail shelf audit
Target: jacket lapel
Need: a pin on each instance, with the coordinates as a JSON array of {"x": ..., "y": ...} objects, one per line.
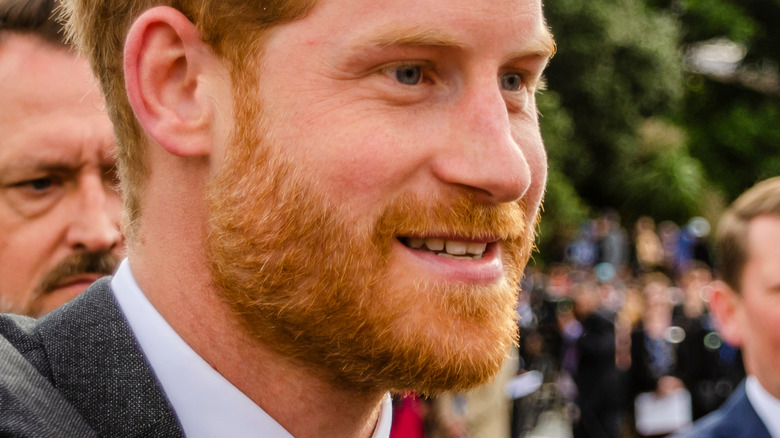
[
  {"x": 96, "y": 364},
  {"x": 739, "y": 419}
]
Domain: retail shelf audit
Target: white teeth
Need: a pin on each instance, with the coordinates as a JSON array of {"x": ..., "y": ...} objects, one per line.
[
  {"x": 476, "y": 248},
  {"x": 449, "y": 248},
  {"x": 435, "y": 244},
  {"x": 456, "y": 248}
]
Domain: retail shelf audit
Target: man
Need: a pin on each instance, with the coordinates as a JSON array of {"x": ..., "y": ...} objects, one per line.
[
  {"x": 59, "y": 209},
  {"x": 324, "y": 201},
  {"x": 589, "y": 358},
  {"x": 745, "y": 304}
]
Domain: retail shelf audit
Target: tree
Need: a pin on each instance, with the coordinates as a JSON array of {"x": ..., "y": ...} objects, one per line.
[
  {"x": 732, "y": 114},
  {"x": 617, "y": 74}
]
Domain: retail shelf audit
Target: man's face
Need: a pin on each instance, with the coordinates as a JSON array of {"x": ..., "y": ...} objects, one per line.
[
  {"x": 758, "y": 308},
  {"x": 59, "y": 212},
  {"x": 377, "y": 206}
]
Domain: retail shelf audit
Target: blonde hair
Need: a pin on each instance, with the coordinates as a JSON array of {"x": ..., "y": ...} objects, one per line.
[
  {"x": 763, "y": 199},
  {"x": 233, "y": 28}
]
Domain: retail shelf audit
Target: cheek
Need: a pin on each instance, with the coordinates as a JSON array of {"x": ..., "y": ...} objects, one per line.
[
  {"x": 763, "y": 319},
  {"x": 771, "y": 323},
  {"x": 536, "y": 157},
  {"x": 24, "y": 255},
  {"x": 538, "y": 176},
  {"x": 528, "y": 138},
  {"x": 363, "y": 167}
]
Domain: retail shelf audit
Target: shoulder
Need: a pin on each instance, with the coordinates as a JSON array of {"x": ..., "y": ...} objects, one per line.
[
  {"x": 19, "y": 336},
  {"x": 32, "y": 400},
  {"x": 79, "y": 371},
  {"x": 36, "y": 339},
  {"x": 734, "y": 419},
  {"x": 30, "y": 405},
  {"x": 598, "y": 322}
]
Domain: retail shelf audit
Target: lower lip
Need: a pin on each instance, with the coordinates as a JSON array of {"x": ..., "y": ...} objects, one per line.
[{"x": 488, "y": 269}]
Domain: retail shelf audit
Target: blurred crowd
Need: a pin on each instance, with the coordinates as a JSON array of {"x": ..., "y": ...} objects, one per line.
[{"x": 615, "y": 341}]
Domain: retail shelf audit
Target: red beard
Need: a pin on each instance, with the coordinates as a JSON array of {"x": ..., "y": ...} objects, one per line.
[{"x": 319, "y": 287}]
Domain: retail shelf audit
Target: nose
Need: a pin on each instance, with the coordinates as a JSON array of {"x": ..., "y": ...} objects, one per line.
[
  {"x": 486, "y": 150},
  {"x": 94, "y": 223}
]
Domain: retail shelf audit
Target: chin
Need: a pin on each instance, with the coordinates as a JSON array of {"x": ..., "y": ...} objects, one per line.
[{"x": 445, "y": 339}]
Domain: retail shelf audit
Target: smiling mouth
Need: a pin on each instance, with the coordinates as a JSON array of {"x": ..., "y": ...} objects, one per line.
[{"x": 453, "y": 249}]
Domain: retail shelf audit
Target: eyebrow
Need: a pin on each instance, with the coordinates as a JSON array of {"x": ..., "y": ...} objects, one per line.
[
  {"x": 402, "y": 36},
  {"x": 45, "y": 163},
  {"x": 542, "y": 44}
]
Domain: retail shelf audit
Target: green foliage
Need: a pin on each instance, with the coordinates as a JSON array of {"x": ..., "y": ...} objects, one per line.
[
  {"x": 562, "y": 213},
  {"x": 707, "y": 19},
  {"x": 734, "y": 122},
  {"x": 626, "y": 127},
  {"x": 735, "y": 134},
  {"x": 610, "y": 75},
  {"x": 563, "y": 208},
  {"x": 663, "y": 180}
]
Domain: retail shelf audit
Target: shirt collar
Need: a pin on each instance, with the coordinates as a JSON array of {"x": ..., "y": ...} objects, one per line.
[
  {"x": 766, "y": 405},
  {"x": 205, "y": 403}
]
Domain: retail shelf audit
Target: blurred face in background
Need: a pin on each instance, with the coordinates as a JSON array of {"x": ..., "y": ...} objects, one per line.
[
  {"x": 750, "y": 318},
  {"x": 59, "y": 211},
  {"x": 658, "y": 306}
]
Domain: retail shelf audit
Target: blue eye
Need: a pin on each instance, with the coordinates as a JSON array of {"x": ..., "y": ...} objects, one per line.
[
  {"x": 511, "y": 81},
  {"x": 408, "y": 74}
]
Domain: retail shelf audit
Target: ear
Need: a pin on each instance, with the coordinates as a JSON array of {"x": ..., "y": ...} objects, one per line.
[
  {"x": 726, "y": 306},
  {"x": 168, "y": 69}
]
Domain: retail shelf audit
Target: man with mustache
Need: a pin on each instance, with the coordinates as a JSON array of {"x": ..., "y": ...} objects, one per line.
[
  {"x": 324, "y": 202},
  {"x": 59, "y": 209}
]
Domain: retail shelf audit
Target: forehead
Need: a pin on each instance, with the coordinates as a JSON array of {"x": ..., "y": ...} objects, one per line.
[
  {"x": 47, "y": 98},
  {"x": 36, "y": 76},
  {"x": 507, "y": 25},
  {"x": 764, "y": 243}
]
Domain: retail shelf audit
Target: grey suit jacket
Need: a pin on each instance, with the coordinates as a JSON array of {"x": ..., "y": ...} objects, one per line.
[
  {"x": 78, "y": 372},
  {"x": 736, "y": 418}
]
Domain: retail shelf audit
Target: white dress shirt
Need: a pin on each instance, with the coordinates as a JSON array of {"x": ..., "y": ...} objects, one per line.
[
  {"x": 206, "y": 404},
  {"x": 765, "y": 404}
]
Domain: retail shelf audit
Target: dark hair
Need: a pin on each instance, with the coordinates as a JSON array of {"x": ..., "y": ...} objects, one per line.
[{"x": 31, "y": 17}]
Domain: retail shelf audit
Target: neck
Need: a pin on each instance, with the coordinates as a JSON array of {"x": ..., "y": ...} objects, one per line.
[
  {"x": 297, "y": 398},
  {"x": 168, "y": 262},
  {"x": 171, "y": 270}
]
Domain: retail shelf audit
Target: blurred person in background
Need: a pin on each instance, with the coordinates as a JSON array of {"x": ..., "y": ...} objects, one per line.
[
  {"x": 59, "y": 208},
  {"x": 612, "y": 242},
  {"x": 692, "y": 245},
  {"x": 647, "y": 246},
  {"x": 695, "y": 282},
  {"x": 654, "y": 372},
  {"x": 589, "y": 357},
  {"x": 710, "y": 368},
  {"x": 669, "y": 234},
  {"x": 746, "y": 305}
]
